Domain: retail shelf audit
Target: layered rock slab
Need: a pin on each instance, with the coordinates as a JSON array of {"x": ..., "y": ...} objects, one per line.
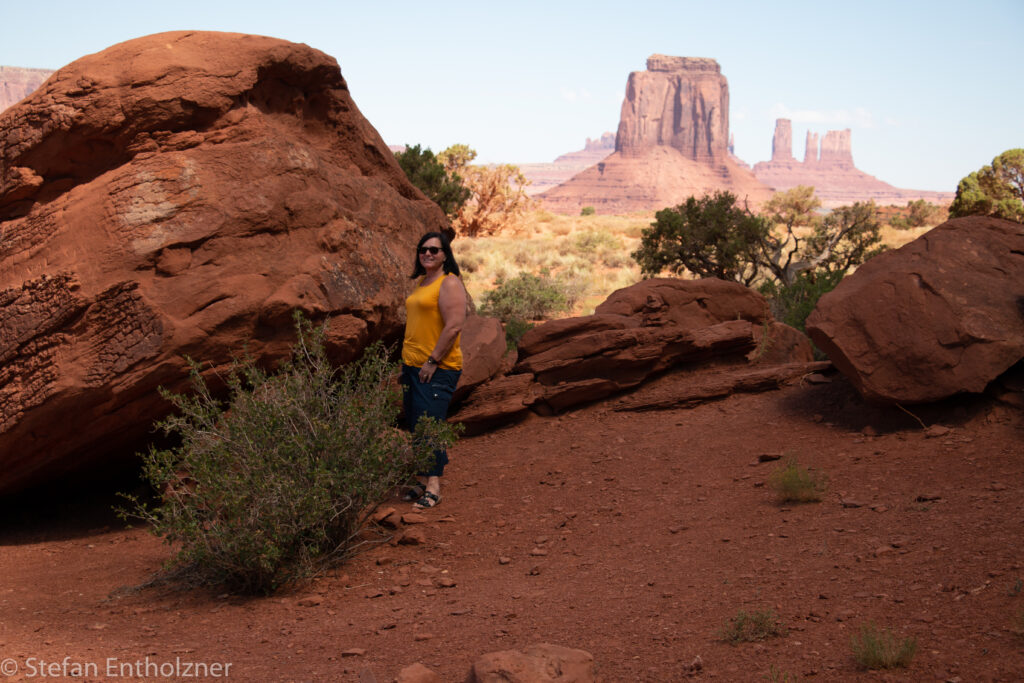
[
  {"x": 638, "y": 333},
  {"x": 181, "y": 194},
  {"x": 939, "y": 316}
]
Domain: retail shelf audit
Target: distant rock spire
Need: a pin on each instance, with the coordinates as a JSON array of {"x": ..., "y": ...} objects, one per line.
[
  {"x": 782, "y": 142},
  {"x": 811, "y": 150}
]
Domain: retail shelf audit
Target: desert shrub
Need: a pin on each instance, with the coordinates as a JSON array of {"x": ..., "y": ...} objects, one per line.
[
  {"x": 749, "y": 627},
  {"x": 792, "y": 304},
  {"x": 425, "y": 171},
  {"x": 874, "y": 648},
  {"x": 515, "y": 328},
  {"x": 274, "y": 485},
  {"x": 587, "y": 211},
  {"x": 996, "y": 190},
  {"x": 919, "y": 213},
  {"x": 525, "y": 297},
  {"x": 710, "y": 237},
  {"x": 794, "y": 483}
]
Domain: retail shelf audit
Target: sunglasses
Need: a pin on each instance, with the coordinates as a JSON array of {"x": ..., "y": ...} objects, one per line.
[{"x": 430, "y": 250}]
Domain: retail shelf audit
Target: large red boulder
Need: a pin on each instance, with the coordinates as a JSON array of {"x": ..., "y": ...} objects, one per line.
[
  {"x": 180, "y": 194},
  {"x": 939, "y": 316}
]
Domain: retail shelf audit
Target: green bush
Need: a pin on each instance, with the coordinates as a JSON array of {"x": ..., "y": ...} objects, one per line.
[
  {"x": 919, "y": 213},
  {"x": 746, "y": 628},
  {"x": 525, "y": 297},
  {"x": 796, "y": 484},
  {"x": 587, "y": 211},
  {"x": 515, "y": 328},
  {"x": 425, "y": 171},
  {"x": 274, "y": 486},
  {"x": 874, "y": 648},
  {"x": 792, "y": 304}
]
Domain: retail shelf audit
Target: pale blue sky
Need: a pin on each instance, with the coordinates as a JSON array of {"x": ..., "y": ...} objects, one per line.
[{"x": 931, "y": 90}]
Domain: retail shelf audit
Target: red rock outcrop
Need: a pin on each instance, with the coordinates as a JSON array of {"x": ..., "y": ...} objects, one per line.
[
  {"x": 830, "y": 170},
  {"x": 672, "y": 143},
  {"x": 939, "y": 316},
  {"x": 636, "y": 334},
  {"x": 180, "y": 194},
  {"x": 17, "y": 83}
]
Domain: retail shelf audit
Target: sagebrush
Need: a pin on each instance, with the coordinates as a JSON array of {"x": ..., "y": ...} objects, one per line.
[
  {"x": 526, "y": 297},
  {"x": 274, "y": 484}
]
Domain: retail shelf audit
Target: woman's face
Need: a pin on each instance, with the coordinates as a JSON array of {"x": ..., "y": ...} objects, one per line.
[{"x": 431, "y": 254}]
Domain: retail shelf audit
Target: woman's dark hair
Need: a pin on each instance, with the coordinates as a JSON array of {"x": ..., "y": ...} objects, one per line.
[{"x": 450, "y": 266}]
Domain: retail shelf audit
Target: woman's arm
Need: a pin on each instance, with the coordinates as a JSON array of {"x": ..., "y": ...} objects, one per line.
[{"x": 452, "y": 303}]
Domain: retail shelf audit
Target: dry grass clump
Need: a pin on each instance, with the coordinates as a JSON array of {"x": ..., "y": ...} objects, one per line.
[
  {"x": 753, "y": 626},
  {"x": 794, "y": 483},
  {"x": 875, "y": 648}
]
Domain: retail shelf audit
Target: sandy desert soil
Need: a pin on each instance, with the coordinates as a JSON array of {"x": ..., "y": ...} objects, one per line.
[{"x": 634, "y": 536}]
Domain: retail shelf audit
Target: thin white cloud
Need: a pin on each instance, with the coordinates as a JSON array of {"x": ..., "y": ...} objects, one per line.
[
  {"x": 573, "y": 95},
  {"x": 859, "y": 117}
]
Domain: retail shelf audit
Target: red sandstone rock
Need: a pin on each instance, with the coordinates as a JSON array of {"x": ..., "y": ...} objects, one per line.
[
  {"x": 715, "y": 384},
  {"x": 939, "y": 316},
  {"x": 417, "y": 673},
  {"x": 689, "y": 304},
  {"x": 498, "y": 400},
  {"x": 778, "y": 343},
  {"x": 181, "y": 194},
  {"x": 672, "y": 143},
  {"x": 17, "y": 83},
  {"x": 541, "y": 663},
  {"x": 637, "y": 333},
  {"x": 483, "y": 350}
]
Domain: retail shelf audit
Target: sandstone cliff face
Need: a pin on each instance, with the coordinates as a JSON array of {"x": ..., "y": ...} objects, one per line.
[
  {"x": 830, "y": 170},
  {"x": 17, "y": 83},
  {"x": 181, "y": 194},
  {"x": 672, "y": 143},
  {"x": 679, "y": 102}
]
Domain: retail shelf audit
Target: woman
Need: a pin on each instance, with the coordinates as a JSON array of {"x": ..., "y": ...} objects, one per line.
[{"x": 431, "y": 357}]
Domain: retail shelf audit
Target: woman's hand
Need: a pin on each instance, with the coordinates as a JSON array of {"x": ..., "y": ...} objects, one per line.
[{"x": 427, "y": 372}]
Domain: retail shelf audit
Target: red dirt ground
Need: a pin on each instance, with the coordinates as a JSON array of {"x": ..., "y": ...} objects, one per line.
[{"x": 634, "y": 536}]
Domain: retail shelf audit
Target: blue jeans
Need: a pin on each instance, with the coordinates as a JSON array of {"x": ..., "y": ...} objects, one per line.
[{"x": 430, "y": 399}]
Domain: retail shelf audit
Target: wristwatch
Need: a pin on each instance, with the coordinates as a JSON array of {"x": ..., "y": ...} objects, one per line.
[{"x": 430, "y": 361}]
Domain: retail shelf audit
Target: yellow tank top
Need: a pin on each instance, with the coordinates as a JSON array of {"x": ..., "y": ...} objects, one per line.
[{"x": 423, "y": 325}]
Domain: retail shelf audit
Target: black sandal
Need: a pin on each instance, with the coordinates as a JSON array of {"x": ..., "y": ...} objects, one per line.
[
  {"x": 428, "y": 500},
  {"x": 414, "y": 492}
]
